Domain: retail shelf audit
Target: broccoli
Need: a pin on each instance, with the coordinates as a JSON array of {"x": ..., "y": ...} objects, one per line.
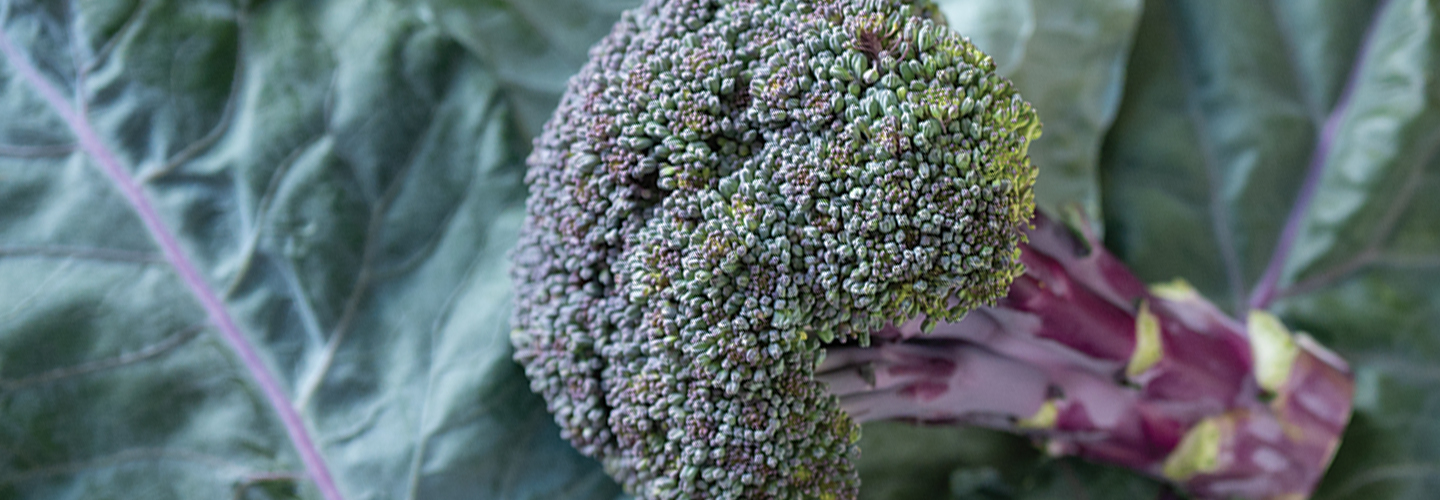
[
  {"x": 730, "y": 189},
  {"x": 728, "y": 185}
]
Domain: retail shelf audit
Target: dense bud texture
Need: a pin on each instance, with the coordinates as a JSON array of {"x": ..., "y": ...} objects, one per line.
[{"x": 728, "y": 185}]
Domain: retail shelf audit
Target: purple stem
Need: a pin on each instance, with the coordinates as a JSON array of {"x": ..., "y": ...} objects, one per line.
[
  {"x": 1083, "y": 356},
  {"x": 91, "y": 143},
  {"x": 1267, "y": 289}
]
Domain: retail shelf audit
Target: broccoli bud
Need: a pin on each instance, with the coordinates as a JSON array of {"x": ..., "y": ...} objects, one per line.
[{"x": 729, "y": 185}]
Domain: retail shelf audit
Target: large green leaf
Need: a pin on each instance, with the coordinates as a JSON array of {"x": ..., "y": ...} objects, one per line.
[
  {"x": 343, "y": 177},
  {"x": 1280, "y": 155}
]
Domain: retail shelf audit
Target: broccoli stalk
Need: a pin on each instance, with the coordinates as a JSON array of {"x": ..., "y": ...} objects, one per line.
[
  {"x": 1080, "y": 355},
  {"x": 731, "y": 188}
]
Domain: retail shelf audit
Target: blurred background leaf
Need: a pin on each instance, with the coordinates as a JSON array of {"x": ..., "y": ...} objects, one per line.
[{"x": 1242, "y": 118}]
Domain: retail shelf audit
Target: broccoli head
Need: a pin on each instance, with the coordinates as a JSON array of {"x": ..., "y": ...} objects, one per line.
[{"x": 726, "y": 187}]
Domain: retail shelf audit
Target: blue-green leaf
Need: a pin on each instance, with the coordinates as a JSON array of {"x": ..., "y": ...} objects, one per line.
[{"x": 344, "y": 180}]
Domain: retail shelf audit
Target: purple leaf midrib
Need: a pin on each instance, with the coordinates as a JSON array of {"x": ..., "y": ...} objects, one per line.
[
  {"x": 90, "y": 142},
  {"x": 1267, "y": 289}
]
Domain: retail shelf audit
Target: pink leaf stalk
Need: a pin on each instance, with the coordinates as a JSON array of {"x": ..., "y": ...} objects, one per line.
[{"x": 1084, "y": 357}]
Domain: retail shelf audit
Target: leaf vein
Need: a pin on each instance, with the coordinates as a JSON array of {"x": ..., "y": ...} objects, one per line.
[
  {"x": 82, "y": 253},
  {"x": 1219, "y": 215},
  {"x": 254, "y": 225},
  {"x": 150, "y": 351},
  {"x": 373, "y": 239},
  {"x": 1372, "y": 253},
  {"x": 221, "y": 126},
  {"x": 187, "y": 457},
  {"x": 109, "y": 164},
  {"x": 1266, "y": 290},
  {"x": 43, "y": 151}
]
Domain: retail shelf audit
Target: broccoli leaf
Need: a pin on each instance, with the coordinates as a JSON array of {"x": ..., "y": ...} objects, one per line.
[
  {"x": 1279, "y": 155},
  {"x": 344, "y": 180}
]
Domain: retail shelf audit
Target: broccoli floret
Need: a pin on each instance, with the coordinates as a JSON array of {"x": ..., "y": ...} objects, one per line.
[{"x": 726, "y": 187}]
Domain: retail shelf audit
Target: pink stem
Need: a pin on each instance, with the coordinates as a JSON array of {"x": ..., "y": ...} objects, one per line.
[{"x": 1056, "y": 359}]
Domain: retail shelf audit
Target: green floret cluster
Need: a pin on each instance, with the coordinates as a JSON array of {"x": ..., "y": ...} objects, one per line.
[{"x": 728, "y": 186}]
